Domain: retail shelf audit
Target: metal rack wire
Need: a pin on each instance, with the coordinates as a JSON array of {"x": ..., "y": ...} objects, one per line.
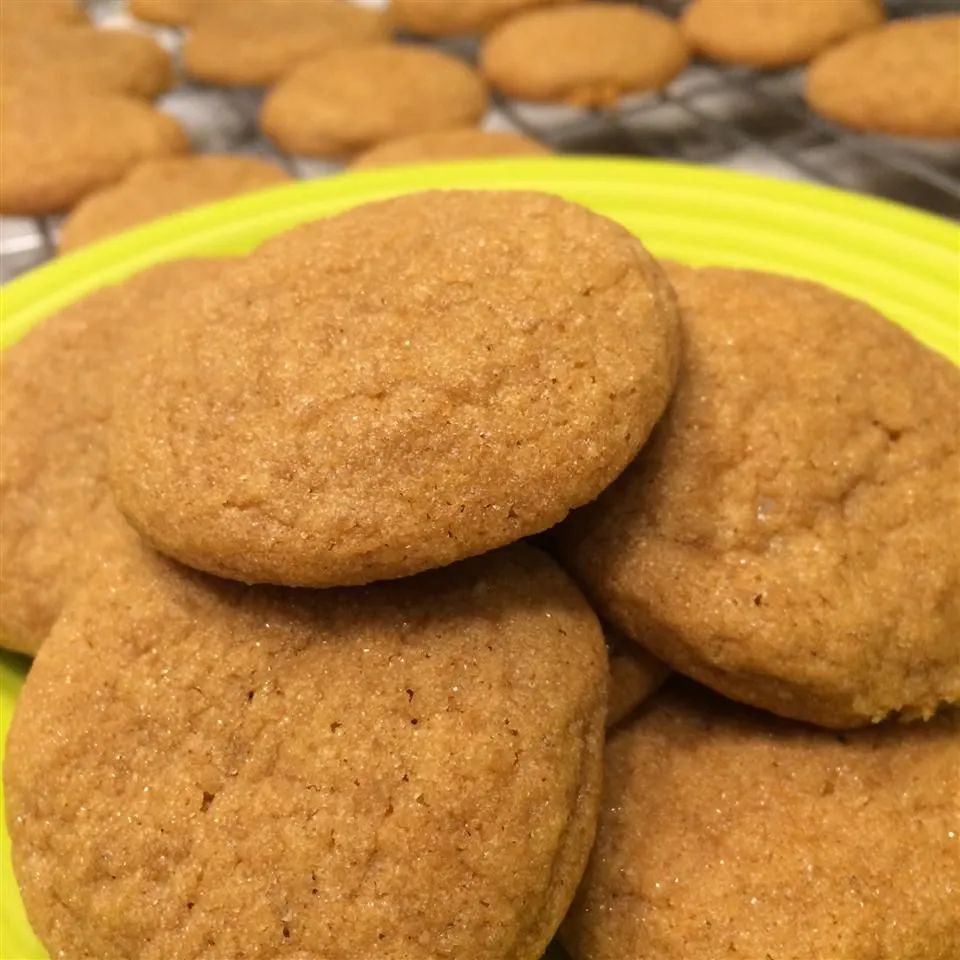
[{"x": 731, "y": 116}]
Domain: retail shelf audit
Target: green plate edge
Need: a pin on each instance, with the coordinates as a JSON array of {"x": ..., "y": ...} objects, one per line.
[{"x": 904, "y": 262}]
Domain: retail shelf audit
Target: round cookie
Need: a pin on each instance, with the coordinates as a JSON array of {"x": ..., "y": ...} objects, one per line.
[
  {"x": 55, "y": 401},
  {"x": 461, "y": 144},
  {"x": 54, "y": 149},
  {"x": 172, "y": 13},
  {"x": 352, "y": 100},
  {"x": 404, "y": 771},
  {"x": 901, "y": 79},
  {"x": 788, "y": 536},
  {"x": 38, "y": 14},
  {"x": 587, "y": 55},
  {"x": 81, "y": 59},
  {"x": 724, "y": 831},
  {"x": 634, "y": 676},
  {"x": 498, "y": 362},
  {"x": 160, "y": 187},
  {"x": 774, "y": 33},
  {"x": 255, "y": 42},
  {"x": 450, "y": 18}
]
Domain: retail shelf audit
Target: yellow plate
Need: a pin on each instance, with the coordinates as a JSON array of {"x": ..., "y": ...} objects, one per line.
[{"x": 903, "y": 262}]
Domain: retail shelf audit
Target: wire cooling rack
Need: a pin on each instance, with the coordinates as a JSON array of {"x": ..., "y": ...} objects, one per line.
[{"x": 729, "y": 116}]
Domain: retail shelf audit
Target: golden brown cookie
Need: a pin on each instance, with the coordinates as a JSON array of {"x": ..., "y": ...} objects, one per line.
[
  {"x": 634, "y": 676},
  {"x": 903, "y": 78},
  {"x": 774, "y": 33},
  {"x": 355, "y": 99},
  {"x": 497, "y": 362},
  {"x": 77, "y": 59},
  {"x": 173, "y": 13},
  {"x": 410, "y": 770},
  {"x": 449, "y": 18},
  {"x": 55, "y": 148},
  {"x": 160, "y": 187},
  {"x": 727, "y": 832},
  {"x": 252, "y": 43},
  {"x": 586, "y": 55},
  {"x": 789, "y": 534},
  {"x": 55, "y": 400},
  {"x": 461, "y": 144},
  {"x": 38, "y": 14}
]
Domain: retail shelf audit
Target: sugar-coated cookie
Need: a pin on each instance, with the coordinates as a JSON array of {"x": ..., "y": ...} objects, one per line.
[
  {"x": 774, "y": 33},
  {"x": 198, "y": 769},
  {"x": 354, "y": 99},
  {"x": 899, "y": 79},
  {"x": 404, "y": 385},
  {"x": 252, "y": 43},
  {"x": 464, "y": 143},
  {"x": 728, "y": 832},
  {"x": 59, "y": 520},
  {"x": 59, "y": 146},
  {"x": 77, "y": 59},
  {"x": 789, "y": 534},
  {"x": 585, "y": 55},
  {"x": 160, "y": 187},
  {"x": 448, "y": 18}
]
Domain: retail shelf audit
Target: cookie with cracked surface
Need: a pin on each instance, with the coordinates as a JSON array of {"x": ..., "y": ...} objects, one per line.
[
  {"x": 465, "y": 143},
  {"x": 351, "y": 100},
  {"x": 161, "y": 187},
  {"x": 39, "y": 14},
  {"x": 82, "y": 59},
  {"x": 405, "y": 771},
  {"x": 55, "y": 400},
  {"x": 450, "y": 18},
  {"x": 774, "y": 33},
  {"x": 499, "y": 362},
  {"x": 586, "y": 55},
  {"x": 900, "y": 79},
  {"x": 724, "y": 829},
  {"x": 788, "y": 536},
  {"x": 253, "y": 43},
  {"x": 53, "y": 151}
]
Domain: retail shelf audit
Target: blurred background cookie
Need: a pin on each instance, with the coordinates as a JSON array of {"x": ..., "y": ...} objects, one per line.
[
  {"x": 59, "y": 146},
  {"x": 498, "y": 362},
  {"x": 251, "y": 43},
  {"x": 447, "y": 18},
  {"x": 405, "y": 770},
  {"x": 160, "y": 187},
  {"x": 788, "y": 536},
  {"x": 39, "y": 14},
  {"x": 354, "y": 99},
  {"x": 56, "y": 390},
  {"x": 774, "y": 33},
  {"x": 460, "y": 144},
  {"x": 903, "y": 78},
  {"x": 72, "y": 60},
  {"x": 725, "y": 829},
  {"x": 585, "y": 55},
  {"x": 174, "y": 13}
]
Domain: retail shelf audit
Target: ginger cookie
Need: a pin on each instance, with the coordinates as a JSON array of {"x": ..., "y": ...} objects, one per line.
[
  {"x": 774, "y": 33},
  {"x": 634, "y": 676},
  {"x": 252, "y": 43},
  {"x": 498, "y": 362},
  {"x": 54, "y": 150},
  {"x": 82, "y": 59},
  {"x": 410, "y": 770},
  {"x": 352, "y": 100},
  {"x": 450, "y": 18},
  {"x": 727, "y": 832},
  {"x": 55, "y": 400},
  {"x": 789, "y": 534},
  {"x": 171, "y": 13},
  {"x": 587, "y": 55},
  {"x": 39, "y": 14},
  {"x": 160, "y": 187},
  {"x": 900, "y": 79},
  {"x": 462, "y": 144}
]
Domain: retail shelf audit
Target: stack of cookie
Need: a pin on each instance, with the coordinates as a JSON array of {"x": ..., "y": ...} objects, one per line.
[{"x": 302, "y": 689}]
